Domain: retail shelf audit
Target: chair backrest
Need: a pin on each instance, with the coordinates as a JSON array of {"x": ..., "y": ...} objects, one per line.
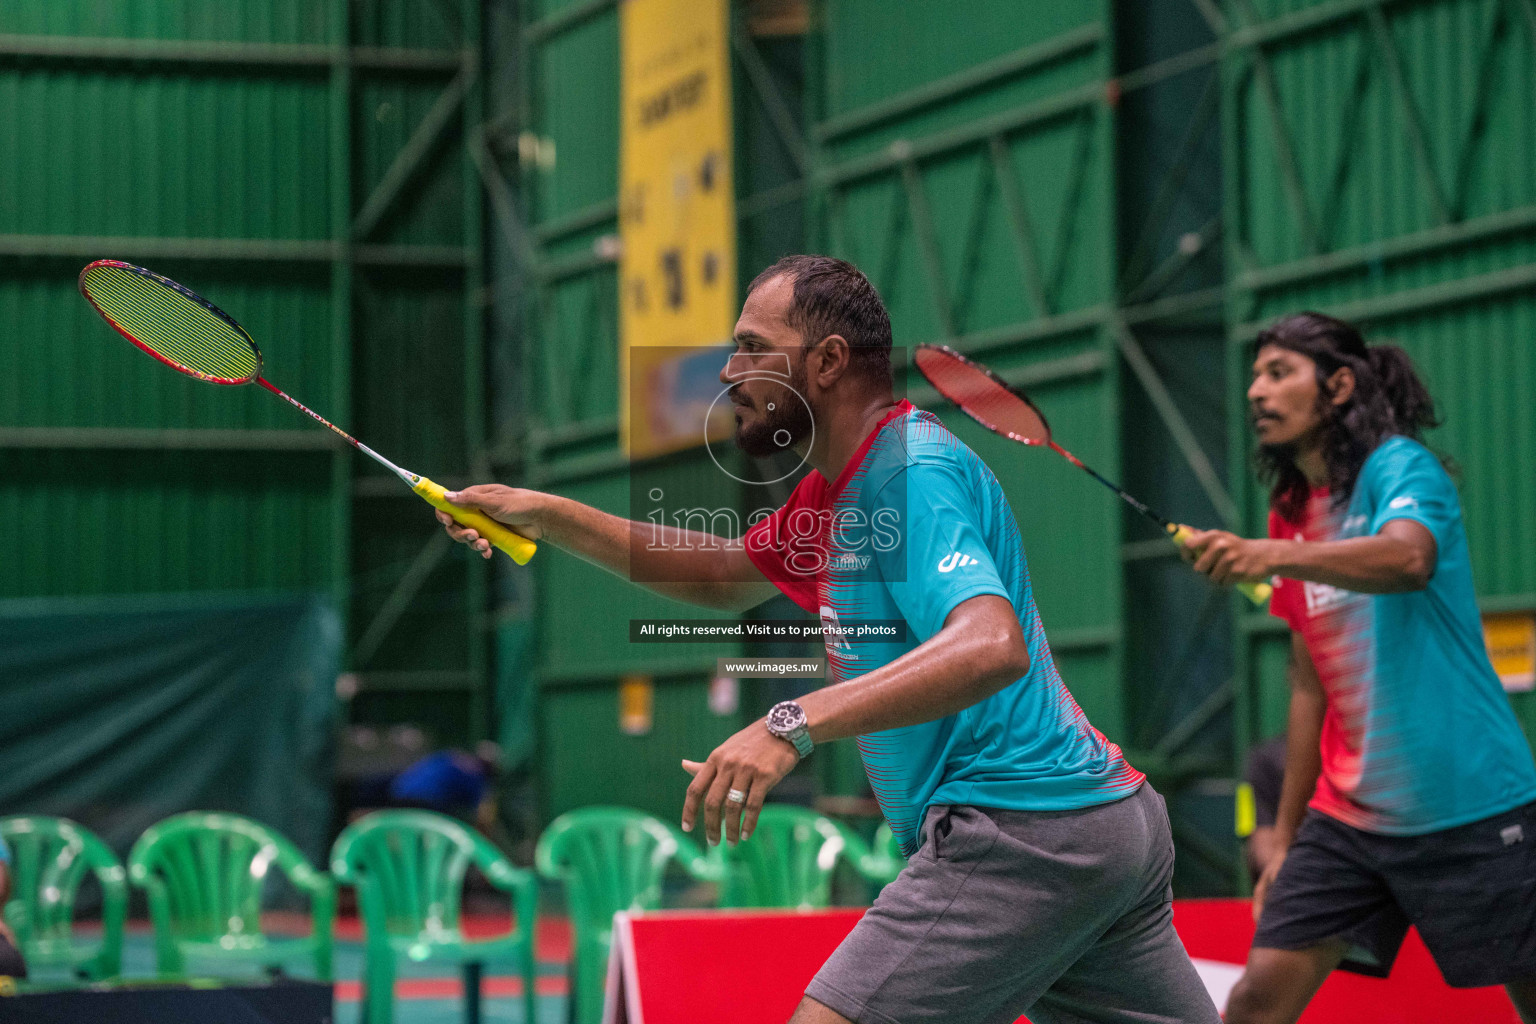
[
  {"x": 204, "y": 872},
  {"x": 611, "y": 859},
  {"x": 408, "y": 867},
  {"x": 788, "y": 861},
  {"x": 49, "y": 859}
]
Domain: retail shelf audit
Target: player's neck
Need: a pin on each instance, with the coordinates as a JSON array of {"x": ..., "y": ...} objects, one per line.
[
  {"x": 846, "y": 426},
  {"x": 1313, "y": 465}
]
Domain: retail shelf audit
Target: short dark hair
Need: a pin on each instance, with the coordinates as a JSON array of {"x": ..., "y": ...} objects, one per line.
[
  {"x": 832, "y": 296},
  {"x": 1389, "y": 398}
]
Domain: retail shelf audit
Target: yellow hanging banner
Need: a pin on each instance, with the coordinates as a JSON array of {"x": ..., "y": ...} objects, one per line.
[
  {"x": 1511, "y": 640},
  {"x": 677, "y": 223},
  {"x": 637, "y": 702}
]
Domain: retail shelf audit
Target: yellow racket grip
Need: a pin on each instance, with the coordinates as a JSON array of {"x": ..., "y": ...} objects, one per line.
[
  {"x": 1258, "y": 593},
  {"x": 518, "y": 547}
]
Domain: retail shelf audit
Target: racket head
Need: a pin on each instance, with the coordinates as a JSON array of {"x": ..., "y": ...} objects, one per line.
[
  {"x": 982, "y": 395},
  {"x": 173, "y": 324}
]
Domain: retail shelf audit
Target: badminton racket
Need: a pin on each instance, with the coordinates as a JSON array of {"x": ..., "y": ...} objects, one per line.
[
  {"x": 188, "y": 333},
  {"x": 989, "y": 400}
]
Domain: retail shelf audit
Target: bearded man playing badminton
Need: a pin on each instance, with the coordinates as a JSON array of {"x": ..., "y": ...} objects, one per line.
[
  {"x": 1040, "y": 860},
  {"x": 1409, "y": 788}
]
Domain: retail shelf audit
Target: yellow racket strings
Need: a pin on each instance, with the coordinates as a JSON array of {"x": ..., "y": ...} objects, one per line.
[{"x": 173, "y": 325}]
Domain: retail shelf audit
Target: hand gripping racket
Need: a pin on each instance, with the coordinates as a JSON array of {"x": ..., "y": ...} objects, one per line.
[
  {"x": 986, "y": 398},
  {"x": 188, "y": 333}
]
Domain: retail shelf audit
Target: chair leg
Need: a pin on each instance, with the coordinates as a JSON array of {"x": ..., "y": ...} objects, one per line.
[
  {"x": 379, "y": 990},
  {"x": 530, "y": 996},
  {"x": 472, "y": 972}
]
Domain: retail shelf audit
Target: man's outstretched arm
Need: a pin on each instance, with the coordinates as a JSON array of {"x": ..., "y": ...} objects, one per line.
[
  {"x": 1399, "y": 558},
  {"x": 699, "y": 568},
  {"x": 980, "y": 649}
]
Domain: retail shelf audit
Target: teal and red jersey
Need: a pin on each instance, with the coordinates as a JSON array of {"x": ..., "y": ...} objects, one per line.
[
  {"x": 1418, "y": 735},
  {"x": 915, "y": 525}
]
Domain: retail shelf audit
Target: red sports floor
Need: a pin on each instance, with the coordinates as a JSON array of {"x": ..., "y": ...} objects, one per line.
[{"x": 1216, "y": 933}]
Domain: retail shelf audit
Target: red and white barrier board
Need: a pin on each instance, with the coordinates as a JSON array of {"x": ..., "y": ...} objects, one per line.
[{"x": 752, "y": 966}]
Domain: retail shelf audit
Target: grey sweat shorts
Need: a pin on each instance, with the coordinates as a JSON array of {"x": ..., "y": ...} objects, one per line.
[{"x": 1062, "y": 915}]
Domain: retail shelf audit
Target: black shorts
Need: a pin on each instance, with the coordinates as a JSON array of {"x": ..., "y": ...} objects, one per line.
[
  {"x": 1470, "y": 891},
  {"x": 11, "y": 964}
]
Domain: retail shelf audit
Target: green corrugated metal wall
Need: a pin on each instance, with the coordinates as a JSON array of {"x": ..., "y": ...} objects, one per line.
[
  {"x": 1379, "y": 167},
  {"x": 967, "y": 160},
  {"x": 568, "y": 180},
  {"x": 989, "y": 166},
  {"x": 303, "y": 165},
  {"x": 971, "y": 176},
  {"x": 97, "y": 146}
]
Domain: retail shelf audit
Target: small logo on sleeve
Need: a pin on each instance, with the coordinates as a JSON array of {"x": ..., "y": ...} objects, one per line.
[
  {"x": 1405, "y": 501},
  {"x": 950, "y": 563}
]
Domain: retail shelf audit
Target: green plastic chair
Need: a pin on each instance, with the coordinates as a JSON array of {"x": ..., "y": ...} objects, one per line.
[
  {"x": 408, "y": 868},
  {"x": 203, "y": 873},
  {"x": 49, "y": 859},
  {"x": 885, "y": 857},
  {"x": 790, "y": 859},
  {"x": 610, "y": 859}
]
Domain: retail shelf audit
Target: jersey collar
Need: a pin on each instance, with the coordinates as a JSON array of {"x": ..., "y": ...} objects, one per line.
[{"x": 836, "y": 487}]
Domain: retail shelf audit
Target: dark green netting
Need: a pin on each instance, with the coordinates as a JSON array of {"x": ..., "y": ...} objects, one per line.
[{"x": 119, "y": 712}]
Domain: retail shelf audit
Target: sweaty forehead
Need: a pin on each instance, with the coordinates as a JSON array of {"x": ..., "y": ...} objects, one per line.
[{"x": 764, "y": 313}]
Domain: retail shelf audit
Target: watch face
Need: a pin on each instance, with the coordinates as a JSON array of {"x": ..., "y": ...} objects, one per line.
[{"x": 786, "y": 717}]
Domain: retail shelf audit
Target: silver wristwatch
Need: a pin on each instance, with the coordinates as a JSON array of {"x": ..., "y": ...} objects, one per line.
[{"x": 787, "y": 722}]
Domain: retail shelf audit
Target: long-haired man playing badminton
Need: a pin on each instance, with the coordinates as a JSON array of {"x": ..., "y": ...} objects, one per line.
[
  {"x": 1409, "y": 793},
  {"x": 1040, "y": 861}
]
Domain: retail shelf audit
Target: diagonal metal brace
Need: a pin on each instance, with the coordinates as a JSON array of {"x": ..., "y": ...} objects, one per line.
[
  {"x": 758, "y": 76},
  {"x": 443, "y": 116},
  {"x": 399, "y": 599},
  {"x": 1177, "y": 426}
]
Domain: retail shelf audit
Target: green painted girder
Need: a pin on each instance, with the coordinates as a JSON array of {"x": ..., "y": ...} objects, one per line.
[
  {"x": 130, "y": 439},
  {"x": 1420, "y": 243},
  {"x": 565, "y": 19},
  {"x": 1260, "y": 32},
  {"x": 1135, "y": 275},
  {"x": 417, "y": 681},
  {"x": 1048, "y": 371},
  {"x": 316, "y": 58},
  {"x": 1446, "y": 206},
  {"x": 768, "y": 94},
  {"x": 231, "y": 250},
  {"x": 584, "y": 219},
  {"x": 1178, "y": 427},
  {"x": 1414, "y": 300},
  {"x": 1052, "y": 108},
  {"x": 1009, "y": 65},
  {"x": 342, "y": 259},
  {"x": 408, "y": 162}
]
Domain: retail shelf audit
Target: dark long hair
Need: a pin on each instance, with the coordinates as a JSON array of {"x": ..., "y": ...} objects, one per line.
[{"x": 1389, "y": 398}]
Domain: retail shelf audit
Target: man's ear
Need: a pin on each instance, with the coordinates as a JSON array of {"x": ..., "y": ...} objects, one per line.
[
  {"x": 835, "y": 356},
  {"x": 1341, "y": 385}
]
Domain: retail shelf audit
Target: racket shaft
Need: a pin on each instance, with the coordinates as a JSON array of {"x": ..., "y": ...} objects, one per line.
[
  {"x": 307, "y": 411},
  {"x": 520, "y": 549},
  {"x": 1258, "y": 593}
]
